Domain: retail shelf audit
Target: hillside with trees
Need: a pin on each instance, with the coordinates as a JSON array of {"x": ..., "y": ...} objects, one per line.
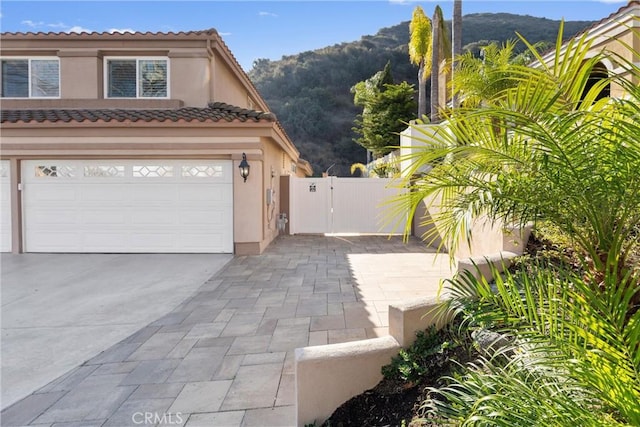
[{"x": 311, "y": 95}]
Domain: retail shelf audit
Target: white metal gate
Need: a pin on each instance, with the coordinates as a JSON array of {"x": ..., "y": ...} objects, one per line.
[{"x": 342, "y": 205}]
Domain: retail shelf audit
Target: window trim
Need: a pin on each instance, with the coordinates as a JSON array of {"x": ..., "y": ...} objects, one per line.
[
  {"x": 29, "y": 59},
  {"x": 137, "y": 59}
]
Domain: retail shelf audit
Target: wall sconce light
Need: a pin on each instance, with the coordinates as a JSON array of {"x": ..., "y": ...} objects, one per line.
[{"x": 244, "y": 167}]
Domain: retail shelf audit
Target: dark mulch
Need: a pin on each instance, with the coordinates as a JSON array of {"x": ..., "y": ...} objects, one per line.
[
  {"x": 395, "y": 401},
  {"x": 387, "y": 404}
]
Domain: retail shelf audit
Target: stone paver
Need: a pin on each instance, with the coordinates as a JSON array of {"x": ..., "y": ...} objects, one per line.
[{"x": 225, "y": 356}]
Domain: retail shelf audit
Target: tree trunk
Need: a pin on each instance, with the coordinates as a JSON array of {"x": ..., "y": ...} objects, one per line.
[
  {"x": 435, "y": 68},
  {"x": 422, "y": 92},
  {"x": 457, "y": 44}
]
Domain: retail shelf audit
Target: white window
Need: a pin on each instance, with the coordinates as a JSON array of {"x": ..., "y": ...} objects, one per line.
[
  {"x": 137, "y": 78},
  {"x": 30, "y": 77}
]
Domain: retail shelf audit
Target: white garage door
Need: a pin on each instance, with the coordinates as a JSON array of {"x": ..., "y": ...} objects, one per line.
[
  {"x": 126, "y": 206},
  {"x": 5, "y": 206}
]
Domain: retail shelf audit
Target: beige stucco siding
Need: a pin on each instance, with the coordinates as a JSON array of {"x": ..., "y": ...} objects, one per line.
[
  {"x": 226, "y": 88},
  {"x": 190, "y": 79},
  {"x": 81, "y": 74}
]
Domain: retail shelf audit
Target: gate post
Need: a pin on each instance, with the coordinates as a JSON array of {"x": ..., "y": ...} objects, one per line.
[{"x": 285, "y": 192}]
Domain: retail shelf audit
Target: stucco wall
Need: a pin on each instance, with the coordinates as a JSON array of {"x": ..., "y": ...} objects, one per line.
[
  {"x": 190, "y": 79},
  {"x": 81, "y": 75},
  {"x": 226, "y": 88}
]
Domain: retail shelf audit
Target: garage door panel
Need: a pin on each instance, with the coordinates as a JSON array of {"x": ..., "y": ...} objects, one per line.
[
  {"x": 203, "y": 218},
  {"x": 154, "y": 193},
  {"x": 54, "y": 217},
  {"x": 153, "y": 216},
  {"x": 103, "y": 242},
  {"x": 5, "y": 206},
  {"x": 151, "y": 240},
  {"x": 215, "y": 193},
  {"x": 50, "y": 241},
  {"x": 128, "y": 206},
  {"x": 103, "y": 192},
  {"x": 103, "y": 216},
  {"x": 47, "y": 192},
  {"x": 201, "y": 240}
]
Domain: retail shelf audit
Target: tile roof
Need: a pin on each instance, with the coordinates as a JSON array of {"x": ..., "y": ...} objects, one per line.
[
  {"x": 621, "y": 10},
  {"x": 214, "y": 112},
  {"x": 121, "y": 34}
]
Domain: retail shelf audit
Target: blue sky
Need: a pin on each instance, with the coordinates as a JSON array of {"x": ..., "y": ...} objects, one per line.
[{"x": 266, "y": 29}]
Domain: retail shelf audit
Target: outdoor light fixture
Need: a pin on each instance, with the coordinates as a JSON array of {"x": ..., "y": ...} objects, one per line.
[{"x": 244, "y": 167}]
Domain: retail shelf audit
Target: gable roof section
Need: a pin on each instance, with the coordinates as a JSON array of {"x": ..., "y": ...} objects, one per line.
[
  {"x": 214, "y": 112},
  {"x": 210, "y": 36},
  {"x": 625, "y": 18},
  {"x": 622, "y": 10}
]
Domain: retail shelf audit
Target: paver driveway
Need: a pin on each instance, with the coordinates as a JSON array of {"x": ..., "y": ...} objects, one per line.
[{"x": 224, "y": 357}]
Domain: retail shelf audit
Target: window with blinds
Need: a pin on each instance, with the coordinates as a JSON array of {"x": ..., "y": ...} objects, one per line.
[
  {"x": 137, "y": 78},
  {"x": 30, "y": 78}
]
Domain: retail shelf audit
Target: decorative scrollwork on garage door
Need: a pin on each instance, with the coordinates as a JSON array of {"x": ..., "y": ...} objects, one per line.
[
  {"x": 201, "y": 171},
  {"x": 104, "y": 171},
  {"x": 55, "y": 171},
  {"x": 152, "y": 171}
]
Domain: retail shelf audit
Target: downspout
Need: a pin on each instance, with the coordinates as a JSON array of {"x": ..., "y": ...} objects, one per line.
[{"x": 211, "y": 70}]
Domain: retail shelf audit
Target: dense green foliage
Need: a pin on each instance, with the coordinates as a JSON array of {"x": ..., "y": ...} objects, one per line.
[
  {"x": 480, "y": 78},
  {"x": 385, "y": 109},
  {"x": 310, "y": 92},
  {"x": 551, "y": 146},
  {"x": 573, "y": 360},
  {"x": 430, "y": 354}
]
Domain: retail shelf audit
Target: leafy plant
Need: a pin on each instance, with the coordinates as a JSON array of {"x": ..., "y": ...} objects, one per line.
[
  {"x": 385, "y": 106},
  {"x": 577, "y": 358},
  {"x": 550, "y": 148},
  {"x": 431, "y": 352},
  {"x": 555, "y": 149}
]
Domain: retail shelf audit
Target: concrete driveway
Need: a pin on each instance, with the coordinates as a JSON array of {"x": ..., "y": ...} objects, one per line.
[{"x": 59, "y": 310}]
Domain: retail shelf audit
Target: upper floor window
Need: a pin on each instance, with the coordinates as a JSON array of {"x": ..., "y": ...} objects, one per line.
[
  {"x": 137, "y": 78},
  {"x": 30, "y": 77}
]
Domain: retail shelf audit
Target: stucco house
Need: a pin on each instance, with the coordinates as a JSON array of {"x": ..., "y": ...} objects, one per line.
[
  {"x": 132, "y": 142},
  {"x": 616, "y": 33}
]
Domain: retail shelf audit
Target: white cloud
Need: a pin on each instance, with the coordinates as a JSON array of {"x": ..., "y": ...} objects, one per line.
[
  {"x": 224, "y": 34},
  {"x": 121, "y": 30},
  {"x": 78, "y": 29},
  {"x": 59, "y": 26},
  {"x": 32, "y": 24},
  {"x": 267, "y": 14}
]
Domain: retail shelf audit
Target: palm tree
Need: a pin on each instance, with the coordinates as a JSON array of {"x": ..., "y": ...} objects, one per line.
[
  {"x": 480, "y": 79},
  {"x": 544, "y": 150},
  {"x": 456, "y": 36},
  {"x": 440, "y": 50},
  {"x": 420, "y": 54},
  {"x": 546, "y": 147}
]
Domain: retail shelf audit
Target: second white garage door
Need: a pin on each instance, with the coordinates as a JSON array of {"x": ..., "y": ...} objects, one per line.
[
  {"x": 126, "y": 206},
  {"x": 5, "y": 206}
]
